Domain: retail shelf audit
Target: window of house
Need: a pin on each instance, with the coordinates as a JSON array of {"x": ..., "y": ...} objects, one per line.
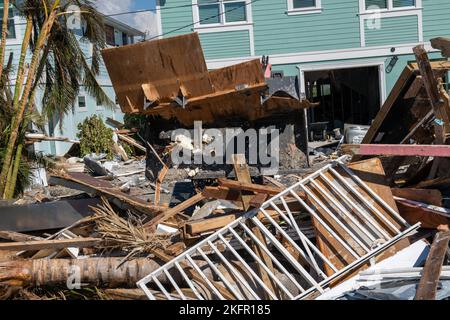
[
  {"x": 304, "y": 6},
  {"x": 221, "y": 11},
  {"x": 109, "y": 35},
  {"x": 82, "y": 102},
  {"x": 390, "y": 4},
  {"x": 11, "y": 33},
  {"x": 124, "y": 38}
]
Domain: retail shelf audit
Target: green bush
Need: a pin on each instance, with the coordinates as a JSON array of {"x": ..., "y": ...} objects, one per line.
[{"x": 95, "y": 137}]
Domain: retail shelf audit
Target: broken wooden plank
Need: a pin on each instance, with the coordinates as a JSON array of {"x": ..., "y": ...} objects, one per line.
[
  {"x": 221, "y": 193},
  {"x": 413, "y": 91},
  {"x": 432, "y": 271},
  {"x": 51, "y": 244},
  {"x": 158, "y": 184},
  {"x": 415, "y": 212},
  {"x": 442, "y": 44},
  {"x": 89, "y": 184},
  {"x": 432, "y": 209},
  {"x": 258, "y": 200},
  {"x": 442, "y": 182},
  {"x": 197, "y": 227},
  {"x": 132, "y": 142},
  {"x": 243, "y": 175},
  {"x": 18, "y": 237},
  {"x": 257, "y": 188},
  {"x": 432, "y": 86},
  {"x": 152, "y": 224},
  {"x": 429, "y": 196},
  {"x": 397, "y": 150}
]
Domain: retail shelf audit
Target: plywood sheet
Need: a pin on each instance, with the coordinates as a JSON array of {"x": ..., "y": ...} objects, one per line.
[{"x": 166, "y": 64}]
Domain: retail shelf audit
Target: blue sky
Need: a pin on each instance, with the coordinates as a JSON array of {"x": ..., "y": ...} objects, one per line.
[{"x": 145, "y": 21}]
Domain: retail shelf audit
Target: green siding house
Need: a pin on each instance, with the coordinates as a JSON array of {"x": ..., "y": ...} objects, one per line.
[{"x": 352, "y": 50}]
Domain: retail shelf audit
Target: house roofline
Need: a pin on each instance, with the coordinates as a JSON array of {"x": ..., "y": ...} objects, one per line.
[{"x": 123, "y": 26}]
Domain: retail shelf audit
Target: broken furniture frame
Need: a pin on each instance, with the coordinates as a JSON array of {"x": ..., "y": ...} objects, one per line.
[{"x": 365, "y": 238}]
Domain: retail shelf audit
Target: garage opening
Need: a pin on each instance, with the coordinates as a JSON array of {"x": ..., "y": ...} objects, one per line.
[{"x": 346, "y": 97}]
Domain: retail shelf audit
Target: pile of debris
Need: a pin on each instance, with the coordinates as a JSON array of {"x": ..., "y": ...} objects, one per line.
[{"x": 352, "y": 227}]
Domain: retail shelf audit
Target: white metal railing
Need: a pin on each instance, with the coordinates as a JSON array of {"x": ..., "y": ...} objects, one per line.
[{"x": 284, "y": 267}]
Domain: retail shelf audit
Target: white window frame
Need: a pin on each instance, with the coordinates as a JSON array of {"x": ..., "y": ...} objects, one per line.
[
  {"x": 317, "y": 8},
  {"x": 222, "y": 23},
  {"x": 82, "y": 109},
  {"x": 390, "y": 7}
]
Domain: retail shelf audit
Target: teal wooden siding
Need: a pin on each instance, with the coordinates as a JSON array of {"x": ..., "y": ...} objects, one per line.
[
  {"x": 176, "y": 16},
  {"x": 393, "y": 30},
  {"x": 436, "y": 20},
  {"x": 336, "y": 27},
  {"x": 229, "y": 44}
]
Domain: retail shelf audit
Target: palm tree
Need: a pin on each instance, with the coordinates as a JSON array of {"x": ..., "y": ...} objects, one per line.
[{"x": 57, "y": 65}]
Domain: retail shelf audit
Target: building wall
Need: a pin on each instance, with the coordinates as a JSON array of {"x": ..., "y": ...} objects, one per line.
[
  {"x": 341, "y": 33},
  {"x": 226, "y": 44},
  {"x": 68, "y": 128},
  {"x": 393, "y": 31},
  {"x": 336, "y": 27}
]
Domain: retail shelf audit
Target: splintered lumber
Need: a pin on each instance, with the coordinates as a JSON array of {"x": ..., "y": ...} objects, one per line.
[
  {"x": 442, "y": 44},
  {"x": 152, "y": 224},
  {"x": 101, "y": 272},
  {"x": 125, "y": 294},
  {"x": 221, "y": 193},
  {"x": 51, "y": 244},
  {"x": 430, "y": 208},
  {"x": 432, "y": 86},
  {"x": 441, "y": 182},
  {"x": 216, "y": 222},
  {"x": 427, "y": 215},
  {"x": 432, "y": 271},
  {"x": 397, "y": 150},
  {"x": 429, "y": 196},
  {"x": 131, "y": 141},
  {"x": 257, "y": 188},
  {"x": 18, "y": 237},
  {"x": 258, "y": 200},
  {"x": 243, "y": 175},
  {"x": 89, "y": 184}
]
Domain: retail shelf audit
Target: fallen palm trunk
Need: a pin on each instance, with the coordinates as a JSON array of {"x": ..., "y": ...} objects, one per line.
[{"x": 100, "y": 272}]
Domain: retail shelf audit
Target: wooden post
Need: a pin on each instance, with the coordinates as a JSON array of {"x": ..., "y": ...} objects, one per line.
[
  {"x": 439, "y": 104},
  {"x": 433, "y": 267}
]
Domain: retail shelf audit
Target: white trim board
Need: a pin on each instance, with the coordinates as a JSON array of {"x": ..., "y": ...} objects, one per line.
[
  {"x": 328, "y": 55},
  {"x": 317, "y": 8},
  {"x": 159, "y": 27}
]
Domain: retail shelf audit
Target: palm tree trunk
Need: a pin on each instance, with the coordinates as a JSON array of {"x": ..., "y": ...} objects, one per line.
[
  {"x": 101, "y": 272},
  {"x": 21, "y": 66},
  {"x": 4, "y": 31},
  {"x": 46, "y": 28},
  {"x": 11, "y": 182}
]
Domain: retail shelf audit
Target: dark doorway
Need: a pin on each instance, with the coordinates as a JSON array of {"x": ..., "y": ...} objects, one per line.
[{"x": 346, "y": 96}]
